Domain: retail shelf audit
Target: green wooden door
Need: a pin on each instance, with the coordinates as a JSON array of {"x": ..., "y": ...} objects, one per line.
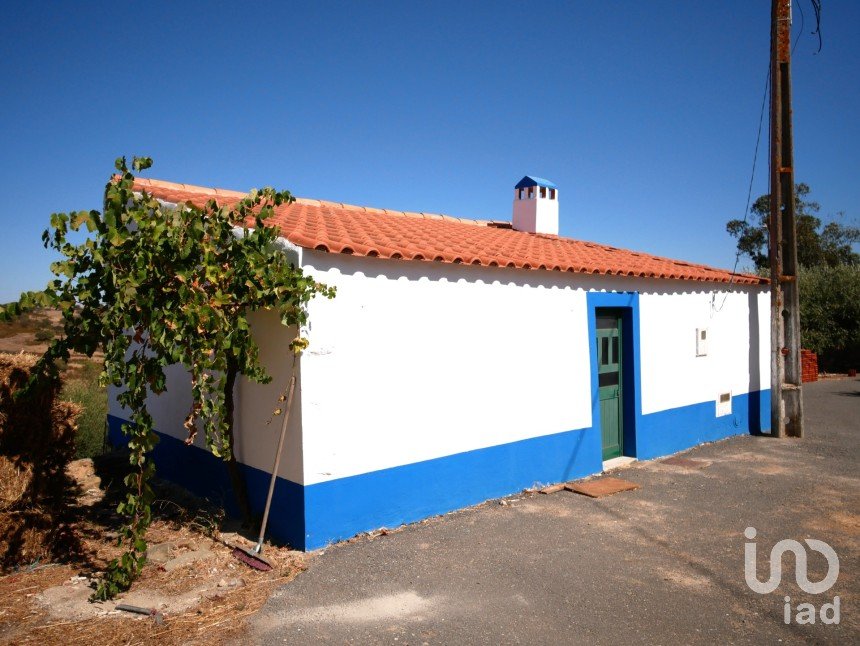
[{"x": 609, "y": 382}]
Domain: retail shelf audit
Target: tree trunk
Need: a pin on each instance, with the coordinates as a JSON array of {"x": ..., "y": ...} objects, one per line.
[{"x": 237, "y": 478}]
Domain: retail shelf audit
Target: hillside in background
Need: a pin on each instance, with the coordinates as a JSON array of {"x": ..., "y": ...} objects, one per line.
[{"x": 30, "y": 333}]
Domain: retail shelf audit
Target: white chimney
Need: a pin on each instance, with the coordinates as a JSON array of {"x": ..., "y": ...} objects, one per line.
[{"x": 536, "y": 206}]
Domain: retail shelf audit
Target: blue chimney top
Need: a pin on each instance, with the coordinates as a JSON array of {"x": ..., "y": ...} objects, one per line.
[{"x": 531, "y": 180}]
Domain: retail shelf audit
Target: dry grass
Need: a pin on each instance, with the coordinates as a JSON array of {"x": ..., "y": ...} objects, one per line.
[
  {"x": 218, "y": 618},
  {"x": 216, "y": 614},
  {"x": 37, "y": 433},
  {"x": 15, "y": 478},
  {"x": 58, "y": 523}
]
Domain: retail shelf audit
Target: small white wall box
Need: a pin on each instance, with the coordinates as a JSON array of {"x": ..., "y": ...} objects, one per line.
[
  {"x": 724, "y": 404},
  {"x": 701, "y": 341}
]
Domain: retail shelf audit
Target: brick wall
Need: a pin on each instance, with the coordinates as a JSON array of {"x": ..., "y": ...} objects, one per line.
[{"x": 809, "y": 365}]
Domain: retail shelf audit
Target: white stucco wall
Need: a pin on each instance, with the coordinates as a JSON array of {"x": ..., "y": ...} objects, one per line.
[
  {"x": 418, "y": 360},
  {"x": 256, "y": 441},
  {"x": 672, "y": 374}
]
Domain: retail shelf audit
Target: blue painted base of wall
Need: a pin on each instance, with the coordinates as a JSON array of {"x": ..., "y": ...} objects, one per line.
[
  {"x": 341, "y": 508},
  {"x": 676, "y": 429},
  {"x": 308, "y": 517},
  {"x": 205, "y": 475}
]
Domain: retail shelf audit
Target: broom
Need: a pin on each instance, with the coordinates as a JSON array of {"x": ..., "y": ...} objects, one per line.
[{"x": 253, "y": 557}]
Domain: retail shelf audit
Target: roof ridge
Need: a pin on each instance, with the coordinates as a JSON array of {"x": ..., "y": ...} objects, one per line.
[
  {"x": 397, "y": 213},
  {"x": 307, "y": 201},
  {"x": 188, "y": 188}
]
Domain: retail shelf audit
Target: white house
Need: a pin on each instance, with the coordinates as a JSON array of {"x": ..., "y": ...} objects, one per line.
[{"x": 465, "y": 360}]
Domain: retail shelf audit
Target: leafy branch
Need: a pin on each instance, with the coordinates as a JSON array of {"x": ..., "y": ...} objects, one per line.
[{"x": 156, "y": 285}]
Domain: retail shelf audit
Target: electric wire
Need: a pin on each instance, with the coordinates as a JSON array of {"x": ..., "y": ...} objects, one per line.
[
  {"x": 752, "y": 181},
  {"x": 816, "y": 8},
  {"x": 802, "y": 25}
]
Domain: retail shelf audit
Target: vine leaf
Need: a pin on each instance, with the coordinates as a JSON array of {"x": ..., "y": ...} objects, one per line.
[{"x": 155, "y": 285}]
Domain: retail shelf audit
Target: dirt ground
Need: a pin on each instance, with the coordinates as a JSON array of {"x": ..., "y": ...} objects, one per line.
[{"x": 201, "y": 591}]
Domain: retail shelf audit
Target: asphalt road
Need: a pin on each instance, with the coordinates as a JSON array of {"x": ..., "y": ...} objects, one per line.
[{"x": 660, "y": 565}]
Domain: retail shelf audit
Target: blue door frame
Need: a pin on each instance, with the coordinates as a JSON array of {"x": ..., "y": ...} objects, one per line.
[{"x": 625, "y": 304}]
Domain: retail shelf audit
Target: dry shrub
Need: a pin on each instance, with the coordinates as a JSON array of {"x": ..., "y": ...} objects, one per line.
[
  {"x": 37, "y": 441},
  {"x": 15, "y": 480}
]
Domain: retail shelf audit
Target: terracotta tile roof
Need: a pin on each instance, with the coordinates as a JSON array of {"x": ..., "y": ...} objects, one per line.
[{"x": 365, "y": 231}]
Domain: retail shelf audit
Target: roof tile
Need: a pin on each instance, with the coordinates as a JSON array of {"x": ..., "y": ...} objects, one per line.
[{"x": 366, "y": 231}]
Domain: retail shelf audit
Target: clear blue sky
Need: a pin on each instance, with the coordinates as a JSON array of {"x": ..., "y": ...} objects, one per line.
[{"x": 644, "y": 113}]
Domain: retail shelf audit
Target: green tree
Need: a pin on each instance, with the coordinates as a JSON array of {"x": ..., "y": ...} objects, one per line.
[
  {"x": 830, "y": 315},
  {"x": 829, "y": 246},
  {"x": 155, "y": 286}
]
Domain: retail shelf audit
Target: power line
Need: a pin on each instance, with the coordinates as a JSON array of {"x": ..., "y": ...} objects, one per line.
[
  {"x": 755, "y": 154},
  {"x": 816, "y": 7},
  {"x": 802, "y": 25},
  {"x": 752, "y": 179}
]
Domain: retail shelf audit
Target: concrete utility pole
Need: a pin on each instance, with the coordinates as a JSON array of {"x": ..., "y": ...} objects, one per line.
[{"x": 786, "y": 413}]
